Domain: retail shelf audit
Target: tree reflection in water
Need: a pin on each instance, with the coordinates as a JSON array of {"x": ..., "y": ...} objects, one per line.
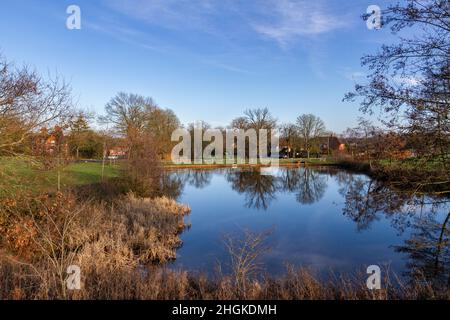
[
  {"x": 428, "y": 247},
  {"x": 311, "y": 186},
  {"x": 428, "y": 251},
  {"x": 198, "y": 178},
  {"x": 259, "y": 189},
  {"x": 365, "y": 201},
  {"x": 172, "y": 183}
]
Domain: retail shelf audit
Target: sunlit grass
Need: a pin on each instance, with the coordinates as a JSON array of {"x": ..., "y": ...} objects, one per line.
[{"x": 29, "y": 175}]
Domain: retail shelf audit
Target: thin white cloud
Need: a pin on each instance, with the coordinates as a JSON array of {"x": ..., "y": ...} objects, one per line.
[
  {"x": 279, "y": 20},
  {"x": 297, "y": 18},
  {"x": 229, "y": 23},
  {"x": 138, "y": 38}
]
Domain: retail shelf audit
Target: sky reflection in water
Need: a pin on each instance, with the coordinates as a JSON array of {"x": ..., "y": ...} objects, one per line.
[{"x": 322, "y": 218}]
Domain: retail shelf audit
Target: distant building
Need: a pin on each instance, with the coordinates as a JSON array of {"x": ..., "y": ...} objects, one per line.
[
  {"x": 117, "y": 153},
  {"x": 51, "y": 140},
  {"x": 330, "y": 144},
  {"x": 50, "y": 144}
]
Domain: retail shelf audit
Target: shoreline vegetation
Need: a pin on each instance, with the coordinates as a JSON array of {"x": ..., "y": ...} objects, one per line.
[
  {"x": 399, "y": 174},
  {"x": 123, "y": 242},
  {"x": 29, "y": 173},
  {"x": 409, "y": 180},
  {"x": 168, "y": 165}
]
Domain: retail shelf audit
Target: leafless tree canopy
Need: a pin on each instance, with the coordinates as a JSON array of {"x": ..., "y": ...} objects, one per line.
[
  {"x": 310, "y": 127},
  {"x": 28, "y": 102},
  {"x": 255, "y": 119},
  {"x": 128, "y": 113},
  {"x": 146, "y": 130},
  {"x": 410, "y": 80},
  {"x": 134, "y": 116}
]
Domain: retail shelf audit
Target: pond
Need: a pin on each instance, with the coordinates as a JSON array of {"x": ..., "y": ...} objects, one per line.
[{"x": 326, "y": 219}]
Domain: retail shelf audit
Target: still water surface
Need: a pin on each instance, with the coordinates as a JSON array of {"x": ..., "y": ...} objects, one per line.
[{"x": 322, "y": 218}]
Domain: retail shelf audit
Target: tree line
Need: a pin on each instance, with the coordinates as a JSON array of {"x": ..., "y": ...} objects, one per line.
[
  {"x": 408, "y": 82},
  {"x": 38, "y": 118}
]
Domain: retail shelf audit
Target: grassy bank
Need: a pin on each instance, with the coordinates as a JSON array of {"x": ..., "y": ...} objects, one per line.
[{"x": 30, "y": 175}]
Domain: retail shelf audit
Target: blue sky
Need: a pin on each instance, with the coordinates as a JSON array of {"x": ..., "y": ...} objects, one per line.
[{"x": 205, "y": 59}]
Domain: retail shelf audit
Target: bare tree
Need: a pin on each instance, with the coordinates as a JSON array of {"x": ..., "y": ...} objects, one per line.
[
  {"x": 409, "y": 81},
  {"x": 289, "y": 136},
  {"x": 29, "y": 102},
  {"x": 129, "y": 114},
  {"x": 239, "y": 123},
  {"x": 310, "y": 128},
  {"x": 366, "y": 132},
  {"x": 134, "y": 116},
  {"x": 161, "y": 124},
  {"x": 257, "y": 119},
  {"x": 147, "y": 130},
  {"x": 260, "y": 119}
]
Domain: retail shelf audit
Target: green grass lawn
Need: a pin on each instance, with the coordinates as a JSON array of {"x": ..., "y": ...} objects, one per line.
[
  {"x": 88, "y": 173},
  {"x": 28, "y": 175}
]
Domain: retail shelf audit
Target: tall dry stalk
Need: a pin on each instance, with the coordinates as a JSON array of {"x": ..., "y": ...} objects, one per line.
[{"x": 245, "y": 251}]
